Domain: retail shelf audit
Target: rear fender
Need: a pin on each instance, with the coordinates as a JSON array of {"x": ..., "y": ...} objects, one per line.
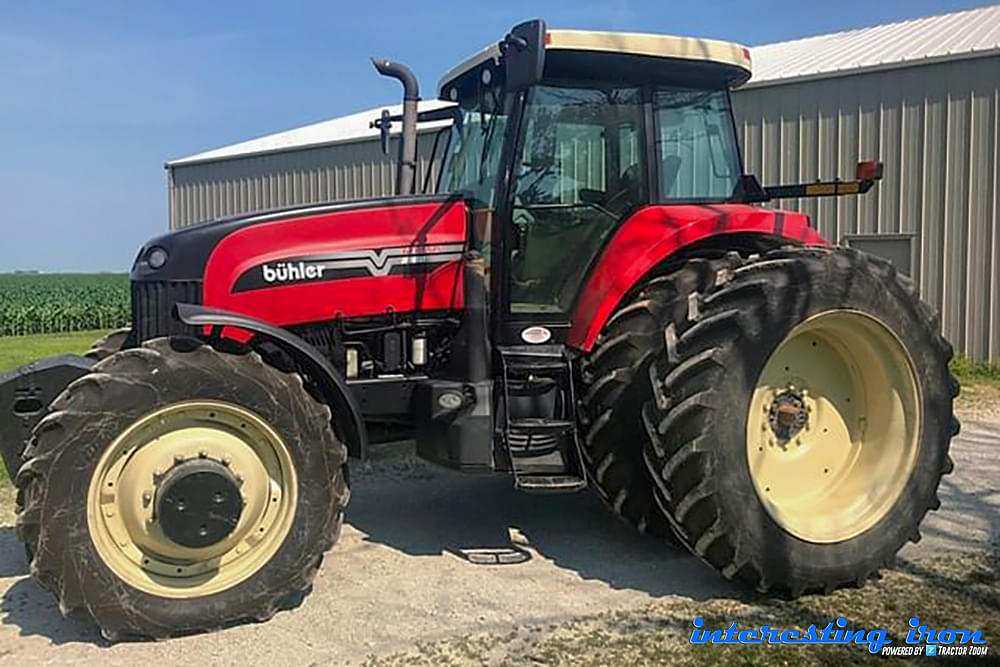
[
  {"x": 25, "y": 395},
  {"x": 654, "y": 234},
  {"x": 319, "y": 368}
]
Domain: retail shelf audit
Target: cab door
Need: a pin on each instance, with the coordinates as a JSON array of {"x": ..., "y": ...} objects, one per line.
[{"x": 578, "y": 170}]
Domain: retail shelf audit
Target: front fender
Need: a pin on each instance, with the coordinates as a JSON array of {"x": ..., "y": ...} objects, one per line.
[{"x": 319, "y": 368}]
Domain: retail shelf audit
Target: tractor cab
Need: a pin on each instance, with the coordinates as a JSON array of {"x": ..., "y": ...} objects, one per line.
[
  {"x": 558, "y": 138},
  {"x": 560, "y": 135}
]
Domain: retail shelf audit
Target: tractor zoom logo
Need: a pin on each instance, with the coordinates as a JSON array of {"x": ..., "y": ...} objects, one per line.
[{"x": 379, "y": 262}]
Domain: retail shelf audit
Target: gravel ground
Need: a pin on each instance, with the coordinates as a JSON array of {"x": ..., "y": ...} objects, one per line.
[{"x": 407, "y": 575}]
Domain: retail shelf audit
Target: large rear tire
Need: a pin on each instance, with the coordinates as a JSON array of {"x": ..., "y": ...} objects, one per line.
[
  {"x": 801, "y": 420},
  {"x": 616, "y": 386},
  {"x": 114, "y": 471}
]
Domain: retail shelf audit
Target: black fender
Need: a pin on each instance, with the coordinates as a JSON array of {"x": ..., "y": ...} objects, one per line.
[
  {"x": 25, "y": 395},
  {"x": 319, "y": 368}
]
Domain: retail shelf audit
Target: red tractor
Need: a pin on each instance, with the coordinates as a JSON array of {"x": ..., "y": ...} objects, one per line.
[{"x": 595, "y": 299}]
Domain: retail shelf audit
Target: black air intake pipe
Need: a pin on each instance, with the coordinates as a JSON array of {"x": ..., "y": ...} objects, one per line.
[{"x": 406, "y": 174}]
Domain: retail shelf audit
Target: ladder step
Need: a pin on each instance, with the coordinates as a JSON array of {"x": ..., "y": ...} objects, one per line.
[
  {"x": 539, "y": 425},
  {"x": 536, "y": 366},
  {"x": 529, "y": 462},
  {"x": 529, "y": 351},
  {"x": 551, "y": 483}
]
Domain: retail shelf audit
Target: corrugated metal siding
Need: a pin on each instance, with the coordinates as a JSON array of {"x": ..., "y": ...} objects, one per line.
[
  {"x": 355, "y": 170},
  {"x": 936, "y": 128}
]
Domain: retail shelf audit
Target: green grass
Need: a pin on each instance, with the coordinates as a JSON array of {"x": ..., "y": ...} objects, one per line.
[
  {"x": 18, "y": 350},
  {"x": 975, "y": 372}
]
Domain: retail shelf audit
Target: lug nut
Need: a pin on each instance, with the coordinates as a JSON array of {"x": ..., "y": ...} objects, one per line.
[
  {"x": 202, "y": 454},
  {"x": 225, "y": 461},
  {"x": 178, "y": 458},
  {"x": 147, "y": 498}
]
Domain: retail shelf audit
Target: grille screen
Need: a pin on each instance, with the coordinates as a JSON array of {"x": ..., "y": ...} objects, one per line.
[{"x": 153, "y": 305}]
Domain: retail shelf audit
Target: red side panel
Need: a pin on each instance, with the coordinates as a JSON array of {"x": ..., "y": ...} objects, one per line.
[
  {"x": 651, "y": 235},
  {"x": 351, "y": 262}
]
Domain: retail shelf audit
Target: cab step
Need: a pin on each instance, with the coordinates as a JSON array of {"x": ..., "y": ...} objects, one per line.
[
  {"x": 539, "y": 425},
  {"x": 550, "y": 483},
  {"x": 544, "y": 451}
]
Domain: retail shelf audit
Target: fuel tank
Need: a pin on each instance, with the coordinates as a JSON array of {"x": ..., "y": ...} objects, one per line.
[{"x": 311, "y": 264}]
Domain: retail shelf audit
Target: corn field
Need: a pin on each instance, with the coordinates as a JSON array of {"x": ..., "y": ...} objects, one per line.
[{"x": 58, "y": 302}]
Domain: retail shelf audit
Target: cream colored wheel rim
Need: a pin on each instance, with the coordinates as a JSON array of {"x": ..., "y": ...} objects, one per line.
[
  {"x": 120, "y": 507},
  {"x": 833, "y": 425}
]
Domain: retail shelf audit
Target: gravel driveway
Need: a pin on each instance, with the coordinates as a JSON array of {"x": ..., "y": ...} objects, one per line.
[{"x": 428, "y": 554}]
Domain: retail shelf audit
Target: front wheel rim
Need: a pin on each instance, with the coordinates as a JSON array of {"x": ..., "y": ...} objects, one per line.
[
  {"x": 833, "y": 426},
  {"x": 121, "y": 501}
]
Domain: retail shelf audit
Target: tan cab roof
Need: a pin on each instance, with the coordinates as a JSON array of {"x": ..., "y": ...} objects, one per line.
[{"x": 630, "y": 43}]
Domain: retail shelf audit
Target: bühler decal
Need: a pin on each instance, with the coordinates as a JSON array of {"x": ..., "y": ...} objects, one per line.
[{"x": 349, "y": 264}]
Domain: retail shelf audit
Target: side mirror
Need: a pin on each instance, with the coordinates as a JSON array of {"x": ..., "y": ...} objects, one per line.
[
  {"x": 523, "y": 51},
  {"x": 750, "y": 190},
  {"x": 384, "y": 124}
]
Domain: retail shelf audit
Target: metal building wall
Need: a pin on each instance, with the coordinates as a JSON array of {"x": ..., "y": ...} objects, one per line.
[
  {"x": 354, "y": 170},
  {"x": 936, "y": 128}
]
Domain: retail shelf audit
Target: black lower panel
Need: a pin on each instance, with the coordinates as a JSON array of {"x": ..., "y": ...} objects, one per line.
[
  {"x": 25, "y": 393},
  {"x": 455, "y": 424}
]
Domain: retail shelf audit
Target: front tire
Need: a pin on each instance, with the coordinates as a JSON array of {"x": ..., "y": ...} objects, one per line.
[
  {"x": 179, "y": 489},
  {"x": 108, "y": 344},
  {"x": 801, "y": 420}
]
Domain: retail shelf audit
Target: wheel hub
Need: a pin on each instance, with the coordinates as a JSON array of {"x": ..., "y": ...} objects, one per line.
[
  {"x": 198, "y": 503},
  {"x": 788, "y": 414}
]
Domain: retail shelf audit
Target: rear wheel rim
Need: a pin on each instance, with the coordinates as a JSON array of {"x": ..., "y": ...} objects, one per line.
[
  {"x": 833, "y": 426},
  {"x": 122, "y": 498}
]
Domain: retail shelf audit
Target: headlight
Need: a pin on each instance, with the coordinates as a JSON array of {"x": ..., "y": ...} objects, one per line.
[{"x": 156, "y": 257}]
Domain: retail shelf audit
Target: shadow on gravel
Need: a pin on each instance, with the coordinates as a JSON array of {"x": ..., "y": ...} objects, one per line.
[
  {"x": 969, "y": 517},
  {"x": 34, "y": 611},
  {"x": 423, "y": 510},
  {"x": 12, "y": 561}
]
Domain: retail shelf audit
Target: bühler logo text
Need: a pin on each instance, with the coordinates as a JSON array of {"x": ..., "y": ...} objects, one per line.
[{"x": 283, "y": 272}]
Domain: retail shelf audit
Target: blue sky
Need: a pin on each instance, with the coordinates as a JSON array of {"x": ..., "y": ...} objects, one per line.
[{"x": 97, "y": 95}]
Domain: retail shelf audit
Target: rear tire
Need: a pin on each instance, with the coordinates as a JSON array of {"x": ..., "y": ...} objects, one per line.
[
  {"x": 72, "y": 543},
  {"x": 709, "y": 448},
  {"x": 616, "y": 386}
]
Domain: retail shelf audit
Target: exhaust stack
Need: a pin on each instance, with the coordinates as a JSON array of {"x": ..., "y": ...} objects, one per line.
[{"x": 406, "y": 173}]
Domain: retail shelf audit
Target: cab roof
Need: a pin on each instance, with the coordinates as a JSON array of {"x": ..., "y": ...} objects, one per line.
[{"x": 735, "y": 57}]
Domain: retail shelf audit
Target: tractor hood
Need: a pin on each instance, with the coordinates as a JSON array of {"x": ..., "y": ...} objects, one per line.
[
  {"x": 308, "y": 264},
  {"x": 188, "y": 249}
]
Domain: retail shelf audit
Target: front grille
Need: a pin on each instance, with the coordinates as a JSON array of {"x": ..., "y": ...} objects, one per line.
[{"x": 153, "y": 307}]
